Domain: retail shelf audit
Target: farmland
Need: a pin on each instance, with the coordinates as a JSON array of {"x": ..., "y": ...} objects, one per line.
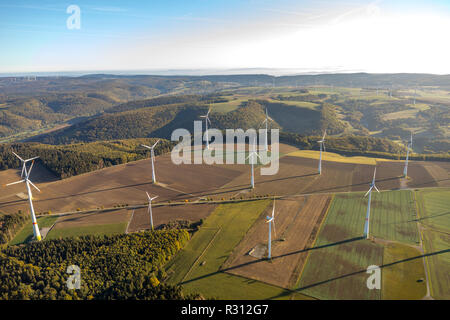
[
  {"x": 199, "y": 264},
  {"x": 297, "y": 222},
  {"x": 434, "y": 219}
]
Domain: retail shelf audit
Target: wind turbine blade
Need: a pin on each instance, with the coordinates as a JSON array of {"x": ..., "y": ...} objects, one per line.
[
  {"x": 31, "y": 167},
  {"x": 368, "y": 192},
  {"x": 376, "y": 188},
  {"x": 34, "y": 186},
  {"x": 274, "y": 231},
  {"x": 324, "y": 149},
  {"x": 148, "y": 196},
  {"x": 18, "y": 156},
  {"x": 209, "y": 121},
  {"x": 154, "y": 198},
  {"x": 155, "y": 143},
  {"x": 374, "y": 173},
  {"x": 273, "y": 210},
  {"x": 34, "y": 158},
  {"x": 324, "y": 134},
  {"x": 23, "y": 169},
  {"x": 9, "y": 184},
  {"x": 146, "y": 146}
]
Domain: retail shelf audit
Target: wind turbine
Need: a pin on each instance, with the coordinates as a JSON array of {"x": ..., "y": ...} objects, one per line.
[
  {"x": 266, "y": 121},
  {"x": 408, "y": 147},
  {"x": 26, "y": 175},
  {"x": 322, "y": 146},
  {"x": 206, "y": 126},
  {"x": 150, "y": 199},
  {"x": 252, "y": 154},
  {"x": 372, "y": 185},
  {"x": 152, "y": 153},
  {"x": 271, "y": 220}
]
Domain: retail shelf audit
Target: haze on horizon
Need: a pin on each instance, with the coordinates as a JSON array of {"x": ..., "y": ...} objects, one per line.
[{"x": 335, "y": 36}]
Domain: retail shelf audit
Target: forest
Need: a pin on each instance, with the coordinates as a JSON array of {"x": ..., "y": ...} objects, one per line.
[{"x": 126, "y": 266}]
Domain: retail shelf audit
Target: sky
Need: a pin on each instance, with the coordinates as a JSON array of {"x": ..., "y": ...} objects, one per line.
[{"x": 296, "y": 36}]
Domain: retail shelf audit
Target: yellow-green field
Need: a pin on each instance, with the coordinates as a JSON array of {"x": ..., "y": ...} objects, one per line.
[{"x": 330, "y": 156}]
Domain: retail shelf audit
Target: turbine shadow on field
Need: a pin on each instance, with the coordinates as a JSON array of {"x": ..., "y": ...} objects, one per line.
[
  {"x": 273, "y": 258},
  {"x": 362, "y": 271}
]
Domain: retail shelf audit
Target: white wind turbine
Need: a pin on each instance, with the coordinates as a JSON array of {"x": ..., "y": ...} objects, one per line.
[
  {"x": 322, "y": 146},
  {"x": 206, "y": 116},
  {"x": 266, "y": 121},
  {"x": 372, "y": 185},
  {"x": 270, "y": 221},
  {"x": 150, "y": 199},
  {"x": 252, "y": 155},
  {"x": 26, "y": 175},
  {"x": 408, "y": 147},
  {"x": 152, "y": 154}
]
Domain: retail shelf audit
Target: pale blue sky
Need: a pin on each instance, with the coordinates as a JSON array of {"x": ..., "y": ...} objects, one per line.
[{"x": 374, "y": 36}]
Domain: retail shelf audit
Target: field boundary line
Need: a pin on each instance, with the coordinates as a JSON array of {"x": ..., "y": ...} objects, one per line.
[
  {"x": 201, "y": 254},
  {"x": 129, "y": 221},
  {"x": 315, "y": 239},
  {"x": 425, "y": 260}
]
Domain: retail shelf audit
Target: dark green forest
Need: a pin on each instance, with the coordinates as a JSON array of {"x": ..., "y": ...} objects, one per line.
[{"x": 126, "y": 266}]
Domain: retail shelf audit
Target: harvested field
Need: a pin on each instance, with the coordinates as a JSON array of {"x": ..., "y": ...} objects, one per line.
[
  {"x": 297, "y": 222},
  {"x": 92, "y": 219},
  {"x": 439, "y": 171},
  {"x": 164, "y": 214}
]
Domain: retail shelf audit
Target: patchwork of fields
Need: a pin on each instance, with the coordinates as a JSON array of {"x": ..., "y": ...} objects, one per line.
[{"x": 317, "y": 250}]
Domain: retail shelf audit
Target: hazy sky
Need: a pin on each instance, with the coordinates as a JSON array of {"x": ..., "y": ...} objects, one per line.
[{"x": 372, "y": 36}]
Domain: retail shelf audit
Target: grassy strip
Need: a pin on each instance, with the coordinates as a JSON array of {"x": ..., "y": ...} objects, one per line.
[
  {"x": 105, "y": 229},
  {"x": 26, "y": 234}
]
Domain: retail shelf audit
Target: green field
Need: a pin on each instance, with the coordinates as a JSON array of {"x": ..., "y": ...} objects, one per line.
[
  {"x": 26, "y": 233},
  {"x": 402, "y": 278},
  {"x": 105, "y": 229},
  {"x": 434, "y": 206},
  {"x": 197, "y": 266},
  {"x": 393, "y": 217},
  {"x": 434, "y": 217},
  {"x": 340, "y": 256}
]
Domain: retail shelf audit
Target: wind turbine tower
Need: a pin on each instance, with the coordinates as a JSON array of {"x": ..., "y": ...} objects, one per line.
[
  {"x": 266, "y": 121},
  {"x": 408, "y": 147},
  {"x": 152, "y": 153},
  {"x": 270, "y": 221},
  {"x": 252, "y": 155},
  {"x": 322, "y": 146},
  {"x": 206, "y": 116},
  {"x": 150, "y": 199},
  {"x": 26, "y": 178},
  {"x": 372, "y": 185}
]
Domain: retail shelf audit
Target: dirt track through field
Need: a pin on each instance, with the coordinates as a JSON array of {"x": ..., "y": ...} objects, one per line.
[{"x": 297, "y": 220}]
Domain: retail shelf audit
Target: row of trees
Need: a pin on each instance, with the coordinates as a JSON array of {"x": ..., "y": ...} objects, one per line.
[
  {"x": 126, "y": 266},
  {"x": 10, "y": 224}
]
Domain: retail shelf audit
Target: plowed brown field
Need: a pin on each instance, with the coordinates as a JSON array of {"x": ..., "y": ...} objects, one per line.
[{"x": 297, "y": 221}]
